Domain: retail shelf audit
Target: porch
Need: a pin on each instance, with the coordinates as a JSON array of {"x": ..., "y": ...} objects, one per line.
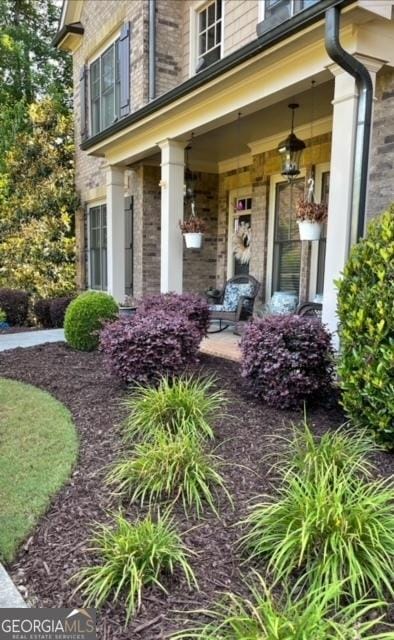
[{"x": 227, "y": 141}]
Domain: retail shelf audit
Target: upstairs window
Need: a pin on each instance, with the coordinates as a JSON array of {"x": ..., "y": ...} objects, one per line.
[
  {"x": 105, "y": 89},
  {"x": 209, "y": 34},
  {"x": 273, "y": 12},
  {"x": 105, "y": 86}
]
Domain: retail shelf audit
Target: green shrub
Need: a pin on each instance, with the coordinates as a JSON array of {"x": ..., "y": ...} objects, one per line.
[
  {"x": 85, "y": 317},
  {"x": 132, "y": 556},
  {"x": 170, "y": 467},
  {"x": 332, "y": 526},
  {"x": 185, "y": 403},
  {"x": 366, "y": 313},
  {"x": 264, "y": 617},
  {"x": 3, "y": 316}
]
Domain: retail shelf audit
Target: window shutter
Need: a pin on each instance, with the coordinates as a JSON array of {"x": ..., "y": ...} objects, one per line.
[
  {"x": 124, "y": 69},
  {"x": 83, "y": 97}
]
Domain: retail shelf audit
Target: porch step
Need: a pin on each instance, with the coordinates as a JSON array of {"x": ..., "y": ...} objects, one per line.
[{"x": 222, "y": 345}]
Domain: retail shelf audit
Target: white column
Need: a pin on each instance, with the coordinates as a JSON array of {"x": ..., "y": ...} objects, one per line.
[
  {"x": 341, "y": 180},
  {"x": 172, "y": 180},
  {"x": 116, "y": 233},
  {"x": 340, "y": 224}
]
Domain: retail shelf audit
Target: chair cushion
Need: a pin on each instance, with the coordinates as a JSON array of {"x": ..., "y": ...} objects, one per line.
[
  {"x": 215, "y": 307},
  {"x": 233, "y": 293}
]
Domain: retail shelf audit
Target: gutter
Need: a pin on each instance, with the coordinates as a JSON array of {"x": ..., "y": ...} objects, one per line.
[
  {"x": 75, "y": 27},
  {"x": 152, "y": 51},
  {"x": 288, "y": 28},
  {"x": 364, "y": 117}
]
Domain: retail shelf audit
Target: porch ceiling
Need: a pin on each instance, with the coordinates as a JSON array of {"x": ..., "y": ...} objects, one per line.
[{"x": 224, "y": 143}]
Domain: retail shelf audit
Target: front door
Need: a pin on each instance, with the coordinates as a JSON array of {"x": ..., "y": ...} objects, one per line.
[{"x": 240, "y": 236}]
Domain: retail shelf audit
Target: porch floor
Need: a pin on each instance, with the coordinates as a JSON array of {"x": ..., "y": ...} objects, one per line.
[{"x": 223, "y": 345}]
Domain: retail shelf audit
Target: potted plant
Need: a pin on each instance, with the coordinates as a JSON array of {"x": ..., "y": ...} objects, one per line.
[
  {"x": 192, "y": 230},
  {"x": 310, "y": 217},
  {"x": 128, "y": 307}
]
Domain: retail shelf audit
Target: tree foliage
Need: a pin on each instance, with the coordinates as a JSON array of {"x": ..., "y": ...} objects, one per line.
[
  {"x": 37, "y": 205},
  {"x": 37, "y": 201},
  {"x": 30, "y": 67}
]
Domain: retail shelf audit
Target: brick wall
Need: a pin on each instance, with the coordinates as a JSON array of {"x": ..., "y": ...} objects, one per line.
[
  {"x": 199, "y": 265},
  {"x": 381, "y": 182}
]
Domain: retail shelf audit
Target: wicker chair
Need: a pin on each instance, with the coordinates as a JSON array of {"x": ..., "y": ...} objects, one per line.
[
  {"x": 235, "y": 303},
  {"x": 310, "y": 309}
]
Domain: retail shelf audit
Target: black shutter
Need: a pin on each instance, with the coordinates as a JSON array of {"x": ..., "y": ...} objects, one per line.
[
  {"x": 83, "y": 97},
  {"x": 124, "y": 69},
  {"x": 128, "y": 207}
]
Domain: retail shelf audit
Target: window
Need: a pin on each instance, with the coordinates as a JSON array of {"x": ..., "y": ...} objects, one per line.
[
  {"x": 287, "y": 243},
  {"x": 275, "y": 11},
  {"x": 98, "y": 247},
  {"x": 325, "y": 188},
  {"x": 105, "y": 89},
  {"x": 209, "y": 34}
]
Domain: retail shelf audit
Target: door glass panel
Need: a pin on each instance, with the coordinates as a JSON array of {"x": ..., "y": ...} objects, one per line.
[
  {"x": 241, "y": 236},
  {"x": 287, "y": 244}
]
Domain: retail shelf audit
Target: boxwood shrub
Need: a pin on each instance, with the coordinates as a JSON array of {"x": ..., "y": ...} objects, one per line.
[
  {"x": 15, "y": 303},
  {"x": 191, "y": 305},
  {"x": 145, "y": 348},
  {"x": 366, "y": 313},
  {"x": 85, "y": 317},
  {"x": 287, "y": 359}
]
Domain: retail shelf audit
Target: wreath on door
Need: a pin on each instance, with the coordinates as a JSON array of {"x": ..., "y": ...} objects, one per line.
[{"x": 242, "y": 243}]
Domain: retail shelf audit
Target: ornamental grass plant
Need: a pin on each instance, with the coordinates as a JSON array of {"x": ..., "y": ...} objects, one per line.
[
  {"x": 183, "y": 404},
  {"x": 329, "y": 526},
  {"x": 171, "y": 467},
  {"x": 266, "y": 617},
  {"x": 130, "y": 557},
  {"x": 343, "y": 448}
]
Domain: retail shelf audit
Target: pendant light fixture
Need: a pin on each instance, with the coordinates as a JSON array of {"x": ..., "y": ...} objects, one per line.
[{"x": 291, "y": 150}]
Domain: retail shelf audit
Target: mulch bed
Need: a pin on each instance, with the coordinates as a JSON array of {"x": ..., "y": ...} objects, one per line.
[{"x": 246, "y": 435}]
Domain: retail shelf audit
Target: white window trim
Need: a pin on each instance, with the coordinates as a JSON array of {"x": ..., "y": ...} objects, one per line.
[
  {"x": 242, "y": 192},
  {"x": 320, "y": 169},
  {"x": 97, "y": 54},
  {"x": 193, "y": 33},
  {"x": 92, "y": 205},
  {"x": 275, "y": 179},
  {"x": 261, "y": 9}
]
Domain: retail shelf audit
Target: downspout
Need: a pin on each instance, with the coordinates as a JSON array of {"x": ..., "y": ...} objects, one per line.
[
  {"x": 152, "y": 51},
  {"x": 364, "y": 117}
]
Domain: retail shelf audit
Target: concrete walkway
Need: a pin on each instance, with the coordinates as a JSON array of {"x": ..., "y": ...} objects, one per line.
[
  {"x": 222, "y": 345},
  {"x": 30, "y": 338}
]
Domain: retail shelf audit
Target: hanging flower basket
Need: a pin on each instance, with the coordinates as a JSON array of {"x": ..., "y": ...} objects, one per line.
[
  {"x": 310, "y": 217},
  {"x": 193, "y": 232}
]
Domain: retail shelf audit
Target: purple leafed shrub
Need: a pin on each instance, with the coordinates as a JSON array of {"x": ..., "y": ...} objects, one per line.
[
  {"x": 144, "y": 348},
  {"x": 57, "y": 310},
  {"x": 190, "y": 305},
  {"x": 287, "y": 360},
  {"x": 42, "y": 312},
  {"x": 15, "y": 304}
]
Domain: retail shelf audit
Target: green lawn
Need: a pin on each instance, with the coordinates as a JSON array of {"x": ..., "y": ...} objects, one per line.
[{"x": 38, "y": 448}]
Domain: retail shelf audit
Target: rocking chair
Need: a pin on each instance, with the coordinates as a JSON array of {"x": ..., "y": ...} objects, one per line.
[{"x": 235, "y": 303}]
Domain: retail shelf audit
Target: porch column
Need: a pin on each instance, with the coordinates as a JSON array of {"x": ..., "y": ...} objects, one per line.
[
  {"x": 116, "y": 233},
  {"x": 340, "y": 225},
  {"x": 172, "y": 180}
]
